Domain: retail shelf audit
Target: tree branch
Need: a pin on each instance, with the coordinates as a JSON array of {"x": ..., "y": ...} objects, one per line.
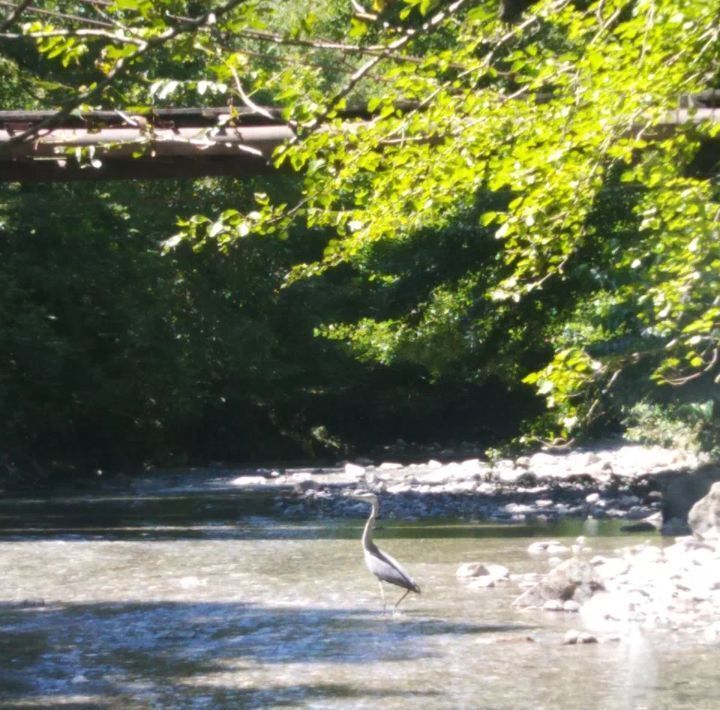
[
  {"x": 190, "y": 25},
  {"x": 322, "y": 44},
  {"x": 14, "y": 15},
  {"x": 366, "y": 68}
]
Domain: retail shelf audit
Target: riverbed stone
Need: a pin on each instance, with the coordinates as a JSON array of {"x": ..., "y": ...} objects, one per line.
[
  {"x": 571, "y": 637},
  {"x": 574, "y": 579},
  {"x": 483, "y": 569},
  {"x": 356, "y": 470},
  {"x": 475, "y": 469},
  {"x": 586, "y": 637},
  {"x": 704, "y": 516},
  {"x": 436, "y": 477},
  {"x": 681, "y": 493},
  {"x": 471, "y": 569}
]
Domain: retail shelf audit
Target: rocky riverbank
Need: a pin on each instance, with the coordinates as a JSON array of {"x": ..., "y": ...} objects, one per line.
[
  {"x": 648, "y": 586},
  {"x": 623, "y": 481}
]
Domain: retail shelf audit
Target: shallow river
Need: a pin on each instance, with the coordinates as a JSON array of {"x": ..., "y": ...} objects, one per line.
[{"x": 185, "y": 595}]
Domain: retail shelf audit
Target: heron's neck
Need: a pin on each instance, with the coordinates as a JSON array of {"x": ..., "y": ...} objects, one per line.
[{"x": 367, "y": 532}]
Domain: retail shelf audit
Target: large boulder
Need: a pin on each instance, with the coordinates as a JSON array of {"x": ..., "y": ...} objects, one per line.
[
  {"x": 682, "y": 493},
  {"x": 574, "y": 579},
  {"x": 704, "y": 516}
]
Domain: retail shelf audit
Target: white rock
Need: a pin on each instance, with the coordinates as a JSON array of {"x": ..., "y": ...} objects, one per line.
[
  {"x": 592, "y": 498},
  {"x": 389, "y": 466},
  {"x": 482, "y": 582},
  {"x": 542, "y": 460},
  {"x": 572, "y": 606},
  {"x": 553, "y": 605},
  {"x": 507, "y": 475},
  {"x": 571, "y": 637},
  {"x": 471, "y": 569},
  {"x": 79, "y": 678},
  {"x": 299, "y": 477},
  {"x": 498, "y": 571},
  {"x": 454, "y": 469},
  {"x": 437, "y": 477},
  {"x": 433, "y": 463},
  {"x": 354, "y": 470},
  {"x": 247, "y": 481},
  {"x": 480, "y": 569},
  {"x": 474, "y": 466}
]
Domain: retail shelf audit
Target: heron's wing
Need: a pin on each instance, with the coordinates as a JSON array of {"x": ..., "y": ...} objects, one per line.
[{"x": 388, "y": 569}]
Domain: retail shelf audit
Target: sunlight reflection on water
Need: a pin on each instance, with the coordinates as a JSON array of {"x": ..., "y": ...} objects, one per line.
[{"x": 186, "y": 602}]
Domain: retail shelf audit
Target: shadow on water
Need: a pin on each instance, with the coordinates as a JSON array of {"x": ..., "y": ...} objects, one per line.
[{"x": 190, "y": 650}]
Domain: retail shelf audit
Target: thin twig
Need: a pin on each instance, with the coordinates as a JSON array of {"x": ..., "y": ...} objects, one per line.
[
  {"x": 106, "y": 34},
  {"x": 679, "y": 381},
  {"x": 245, "y": 98}
]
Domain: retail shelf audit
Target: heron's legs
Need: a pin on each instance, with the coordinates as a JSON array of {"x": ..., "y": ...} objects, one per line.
[
  {"x": 397, "y": 603},
  {"x": 382, "y": 594}
]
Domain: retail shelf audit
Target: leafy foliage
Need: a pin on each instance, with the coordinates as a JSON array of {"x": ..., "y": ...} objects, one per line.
[{"x": 514, "y": 202}]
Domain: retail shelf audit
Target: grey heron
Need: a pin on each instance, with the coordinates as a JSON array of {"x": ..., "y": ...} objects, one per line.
[{"x": 382, "y": 565}]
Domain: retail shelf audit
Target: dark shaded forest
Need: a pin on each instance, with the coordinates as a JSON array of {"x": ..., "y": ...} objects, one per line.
[
  {"x": 119, "y": 352},
  {"x": 456, "y": 268}
]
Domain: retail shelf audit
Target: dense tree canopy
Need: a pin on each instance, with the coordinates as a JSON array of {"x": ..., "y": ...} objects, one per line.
[{"x": 475, "y": 192}]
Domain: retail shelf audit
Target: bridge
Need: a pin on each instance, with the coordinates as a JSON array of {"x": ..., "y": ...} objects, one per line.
[{"x": 35, "y": 146}]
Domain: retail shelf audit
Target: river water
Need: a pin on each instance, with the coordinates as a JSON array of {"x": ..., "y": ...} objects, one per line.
[{"x": 180, "y": 593}]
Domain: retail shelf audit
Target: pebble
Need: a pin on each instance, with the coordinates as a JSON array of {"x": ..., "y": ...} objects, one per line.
[
  {"x": 572, "y": 637},
  {"x": 471, "y": 569}
]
